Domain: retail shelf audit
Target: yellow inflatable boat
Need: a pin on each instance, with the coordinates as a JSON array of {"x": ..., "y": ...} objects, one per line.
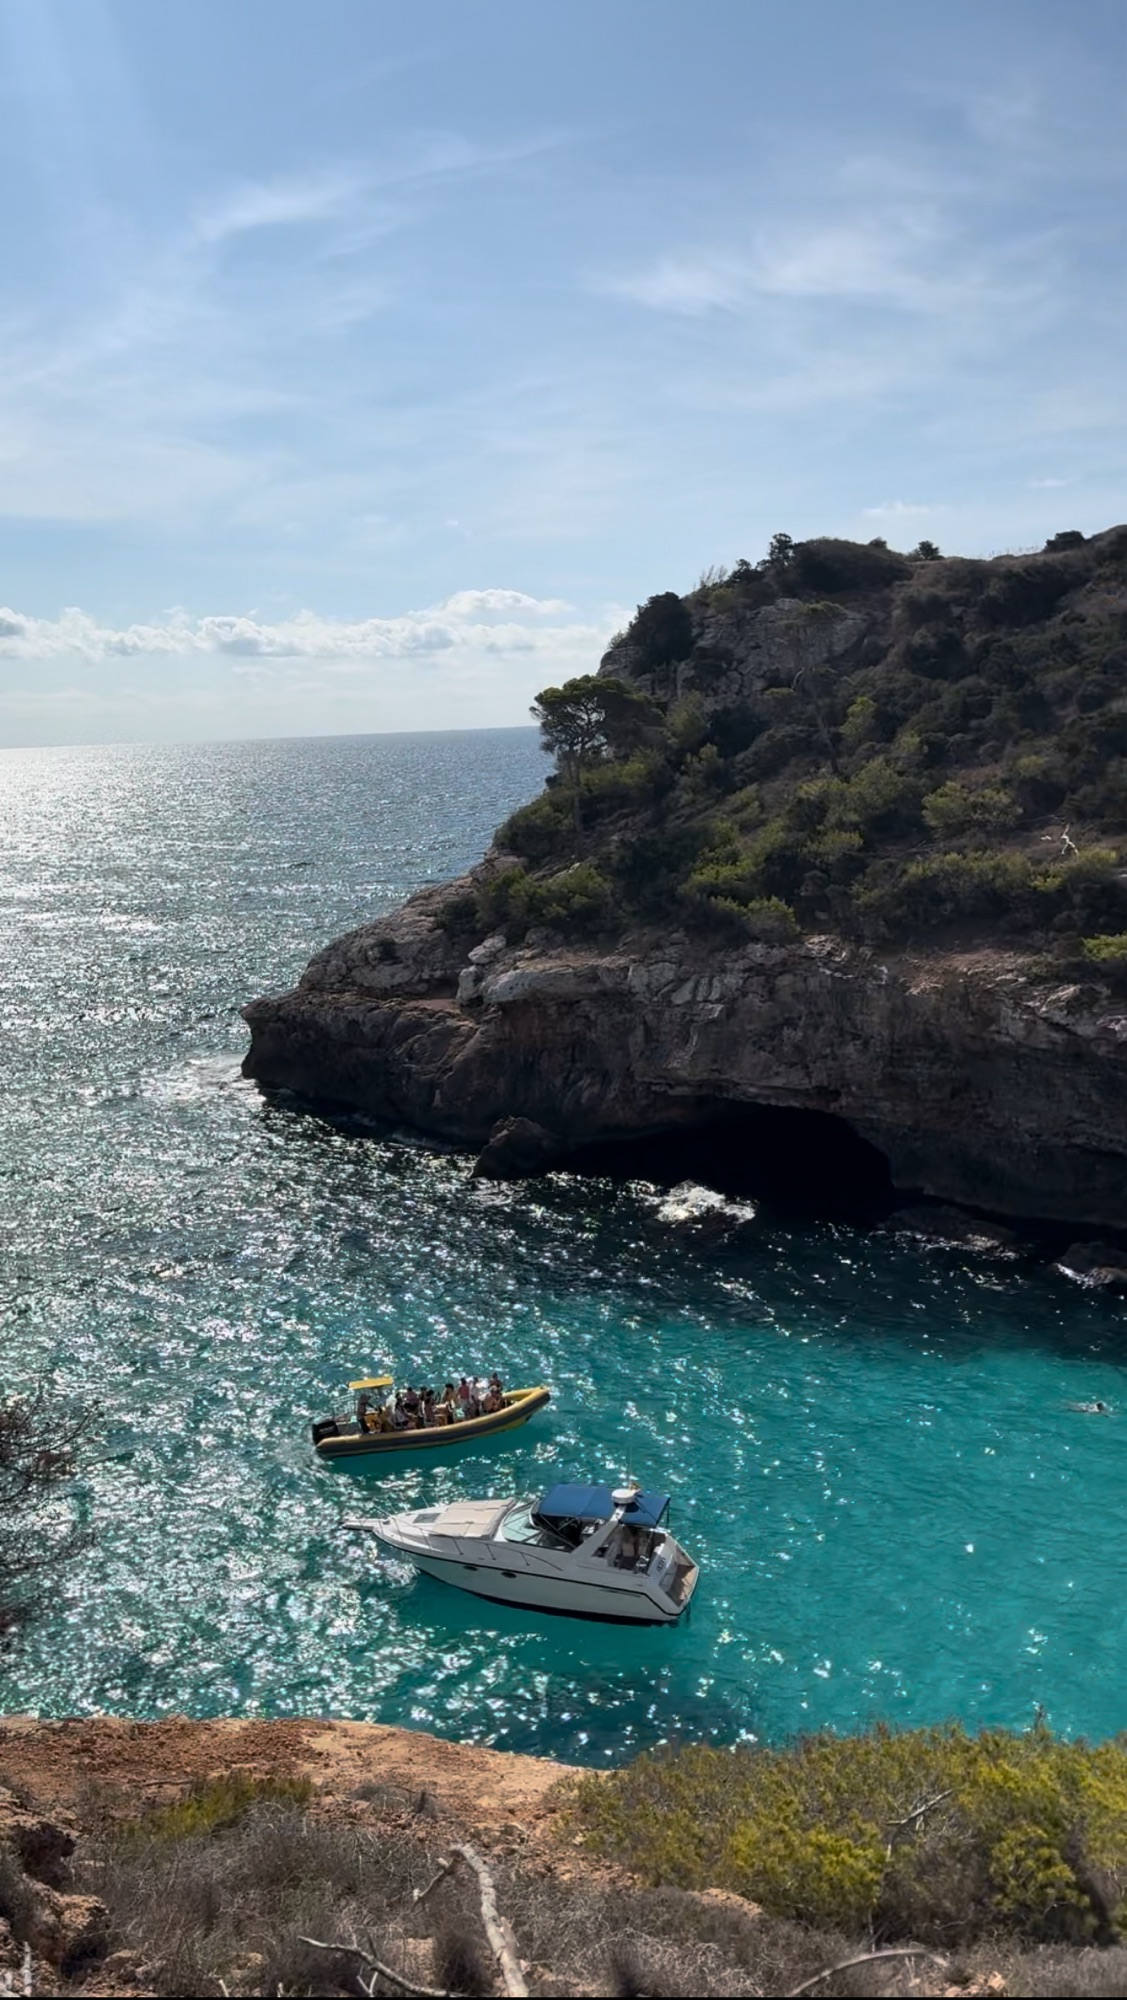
[{"x": 343, "y": 1437}]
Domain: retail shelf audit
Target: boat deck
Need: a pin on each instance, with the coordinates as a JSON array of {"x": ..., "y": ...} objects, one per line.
[{"x": 475, "y": 1519}]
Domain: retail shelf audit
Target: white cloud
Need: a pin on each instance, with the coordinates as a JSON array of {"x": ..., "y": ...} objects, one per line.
[
  {"x": 897, "y": 510},
  {"x": 466, "y": 622}
]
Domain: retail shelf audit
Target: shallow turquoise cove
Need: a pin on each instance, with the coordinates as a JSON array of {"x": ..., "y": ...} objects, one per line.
[{"x": 869, "y": 1447}]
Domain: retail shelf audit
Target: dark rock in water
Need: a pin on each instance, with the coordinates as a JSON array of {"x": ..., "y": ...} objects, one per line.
[
  {"x": 1099, "y": 1265},
  {"x": 516, "y": 1147},
  {"x": 953, "y": 1229}
]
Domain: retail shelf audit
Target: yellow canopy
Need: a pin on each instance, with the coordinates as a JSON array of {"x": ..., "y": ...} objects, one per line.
[{"x": 373, "y": 1382}]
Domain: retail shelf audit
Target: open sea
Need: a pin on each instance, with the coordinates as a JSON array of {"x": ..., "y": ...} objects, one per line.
[{"x": 869, "y": 1446}]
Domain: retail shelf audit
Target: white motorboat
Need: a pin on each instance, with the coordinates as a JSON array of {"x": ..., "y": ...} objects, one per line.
[{"x": 584, "y": 1551}]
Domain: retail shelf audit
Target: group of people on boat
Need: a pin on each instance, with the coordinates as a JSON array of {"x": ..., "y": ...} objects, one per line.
[{"x": 423, "y": 1409}]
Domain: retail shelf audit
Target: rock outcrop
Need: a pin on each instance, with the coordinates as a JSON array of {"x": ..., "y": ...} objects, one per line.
[
  {"x": 975, "y": 1081},
  {"x": 887, "y": 773},
  {"x": 54, "y": 1928}
]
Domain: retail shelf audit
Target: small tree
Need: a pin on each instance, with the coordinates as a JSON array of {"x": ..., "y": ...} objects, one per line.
[
  {"x": 927, "y": 552},
  {"x": 587, "y": 719},
  {"x": 779, "y": 556},
  {"x": 39, "y": 1443},
  {"x": 663, "y": 629}
]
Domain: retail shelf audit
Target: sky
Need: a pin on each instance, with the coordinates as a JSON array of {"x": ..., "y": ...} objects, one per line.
[{"x": 363, "y": 366}]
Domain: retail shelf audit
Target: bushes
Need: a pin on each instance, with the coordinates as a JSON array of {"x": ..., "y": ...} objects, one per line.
[
  {"x": 932, "y": 1834},
  {"x": 1026, "y": 593},
  {"x": 540, "y": 830},
  {"x": 960, "y": 887},
  {"x": 969, "y": 707},
  {"x": 624, "y": 782},
  {"x": 578, "y": 898},
  {"x": 216, "y": 1803},
  {"x": 1109, "y": 951},
  {"x": 830, "y": 565},
  {"x": 955, "y": 809},
  {"x": 880, "y": 800}
]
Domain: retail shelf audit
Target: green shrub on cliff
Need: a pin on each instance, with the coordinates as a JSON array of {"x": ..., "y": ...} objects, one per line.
[
  {"x": 1110, "y": 951},
  {"x": 953, "y": 809},
  {"x": 575, "y": 899},
  {"x": 929, "y": 1834},
  {"x": 909, "y": 730},
  {"x": 539, "y": 831}
]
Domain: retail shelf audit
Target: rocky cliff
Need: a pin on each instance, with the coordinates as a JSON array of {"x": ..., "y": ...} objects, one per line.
[
  {"x": 823, "y": 1045},
  {"x": 968, "y": 1079}
]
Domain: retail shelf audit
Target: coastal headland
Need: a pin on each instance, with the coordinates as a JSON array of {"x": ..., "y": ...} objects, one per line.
[{"x": 829, "y": 903}]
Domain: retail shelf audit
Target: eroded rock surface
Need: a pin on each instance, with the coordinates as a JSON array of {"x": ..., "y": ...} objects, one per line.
[{"x": 978, "y": 1082}]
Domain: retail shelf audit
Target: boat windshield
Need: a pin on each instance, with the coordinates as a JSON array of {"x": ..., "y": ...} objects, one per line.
[{"x": 520, "y": 1526}]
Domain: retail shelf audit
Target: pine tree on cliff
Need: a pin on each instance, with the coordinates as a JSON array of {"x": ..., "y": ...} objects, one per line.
[{"x": 587, "y": 720}]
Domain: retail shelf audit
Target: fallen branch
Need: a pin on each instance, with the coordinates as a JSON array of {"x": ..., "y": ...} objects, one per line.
[
  {"x": 897, "y": 1825},
  {"x": 498, "y": 1931},
  {"x": 918, "y": 1812},
  {"x": 377, "y": 1966},
  {"x": 866, "y": 1958}
]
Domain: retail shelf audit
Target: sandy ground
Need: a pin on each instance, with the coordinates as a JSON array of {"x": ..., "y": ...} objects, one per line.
[{"x": 140, "y": 1763}]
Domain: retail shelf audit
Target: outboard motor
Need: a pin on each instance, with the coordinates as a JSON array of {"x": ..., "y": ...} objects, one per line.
[{"x": 325, "y": 1427}]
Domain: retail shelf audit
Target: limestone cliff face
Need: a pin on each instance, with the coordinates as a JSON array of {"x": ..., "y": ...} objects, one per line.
[{"x": 976, "y": 1082}]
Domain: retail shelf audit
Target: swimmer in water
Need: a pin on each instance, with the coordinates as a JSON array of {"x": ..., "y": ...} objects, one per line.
[{"x": 1092, "y": 1409}]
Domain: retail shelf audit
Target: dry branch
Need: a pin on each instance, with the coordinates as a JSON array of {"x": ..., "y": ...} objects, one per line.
[
  {"x": 866, "y": 1958},
  {"x": 896, "y": 1826},
  {"x": 502, "y": 1943},
  {"x": 387, "y": 1972}
]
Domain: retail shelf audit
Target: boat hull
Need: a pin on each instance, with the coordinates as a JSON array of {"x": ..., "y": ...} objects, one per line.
[
  {"x": 525, "y": 1591},
  {"x": 523, "y": 1404}
]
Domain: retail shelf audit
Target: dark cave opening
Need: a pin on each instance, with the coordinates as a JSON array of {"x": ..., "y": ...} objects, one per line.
[{"x": 807, "y": 1162}]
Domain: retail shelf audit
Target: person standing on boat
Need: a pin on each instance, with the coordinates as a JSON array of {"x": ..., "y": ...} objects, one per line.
[{"x": 465, "y": 1396}]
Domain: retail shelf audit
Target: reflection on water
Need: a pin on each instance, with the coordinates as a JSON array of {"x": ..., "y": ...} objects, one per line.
[{"x": 869, "y": 1446}]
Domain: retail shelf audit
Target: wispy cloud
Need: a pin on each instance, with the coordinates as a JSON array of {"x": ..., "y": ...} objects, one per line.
[
  {"x": 301, "y": 198},
  {"x": 691, "y": 283},
  {"x": 898, "y": 510},
  {"x": 906, "y": 255}
]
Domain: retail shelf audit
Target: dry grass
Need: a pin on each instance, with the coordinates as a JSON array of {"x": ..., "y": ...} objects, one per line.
[{"x": 228, "y": 1907}]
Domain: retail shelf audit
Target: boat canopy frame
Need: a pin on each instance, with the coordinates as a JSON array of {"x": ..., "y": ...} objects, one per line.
[{"x": 596, "y": 1503}]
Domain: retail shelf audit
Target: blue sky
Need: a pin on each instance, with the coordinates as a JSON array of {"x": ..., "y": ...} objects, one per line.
[{"x": 362, "y": 366}]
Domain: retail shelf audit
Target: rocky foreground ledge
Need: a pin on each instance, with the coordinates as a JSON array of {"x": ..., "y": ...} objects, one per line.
[
  {"x": 69, "y": 1788},
  {"x": 963, "y": 1076}
]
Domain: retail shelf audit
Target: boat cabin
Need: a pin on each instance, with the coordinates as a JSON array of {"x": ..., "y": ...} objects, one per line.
[{"x": 622, "y": 1528}]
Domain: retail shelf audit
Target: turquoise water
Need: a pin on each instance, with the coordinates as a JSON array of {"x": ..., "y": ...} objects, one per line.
[{"x": 868, "y": 1447}]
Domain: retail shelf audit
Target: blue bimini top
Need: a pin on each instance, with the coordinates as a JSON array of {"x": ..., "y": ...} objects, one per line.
[{"x": 596, "y": 1503}]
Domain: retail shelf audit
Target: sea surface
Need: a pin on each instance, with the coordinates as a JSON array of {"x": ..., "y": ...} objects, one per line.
[{"x": 869, "y": 1446}]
